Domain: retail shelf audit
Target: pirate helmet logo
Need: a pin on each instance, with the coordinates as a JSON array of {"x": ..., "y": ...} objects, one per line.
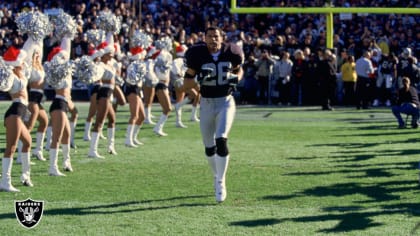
[{"x": 29, "y": 212}]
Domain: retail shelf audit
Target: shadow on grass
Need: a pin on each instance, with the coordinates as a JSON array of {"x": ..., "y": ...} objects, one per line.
[
  {"x": 380, "y": 192},
  {"x": 391, "y": 165},
  {"x": 121, "y": 207},
  {"x": 256, "y": 223},
  {"x": 354, "y": 173},
  {"x": 349, "y": 220}
]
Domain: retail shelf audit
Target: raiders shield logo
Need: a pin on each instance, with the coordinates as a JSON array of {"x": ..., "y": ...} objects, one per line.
[{"x": 29, "y": 212}]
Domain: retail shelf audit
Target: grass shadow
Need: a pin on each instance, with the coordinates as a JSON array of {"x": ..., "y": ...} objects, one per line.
[
  {"x": 121, "y": 207},
  {"x": 256, "y": 223}
]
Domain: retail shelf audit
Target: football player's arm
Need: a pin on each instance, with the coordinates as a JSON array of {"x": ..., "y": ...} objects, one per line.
[
  {"x": 238, "y": 71},
  {"x": 189, "y": 79}
]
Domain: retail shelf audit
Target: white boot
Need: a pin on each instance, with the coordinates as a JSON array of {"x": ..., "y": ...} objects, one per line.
[
  {"x": 194, "y": 117},
  {"x": 148, "y": 118},
  {"x": 19, "y": 152},
  {"x": 6, "y": 176},
  {"x": 221, "y": 169},
  {"x": 53, "y": 163},
  {"x": 158, "y": 129},
  {"x": 111, "y": 141},
  {"x": 93, "y": 150},
  {"x": 135, "y": 134},
  {"x": 25, "y": 178},
  {"x": 212, "y": 163},
  {"x": 178, "y": 116},
  {"x": 39, "y": 146},
  {"x": 129, "y": 136},
  {"x": 185, "y": 101},
  {"x": 101, "y": 134},
  {"x": 86, "y": 135},
  {"x": 48, "y": 141},
  {"x": 72, "y": 134},
  {"x": 66, "y": 157}
]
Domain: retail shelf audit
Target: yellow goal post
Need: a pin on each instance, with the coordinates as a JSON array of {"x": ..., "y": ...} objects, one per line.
[{"x": 327, "y": 10}]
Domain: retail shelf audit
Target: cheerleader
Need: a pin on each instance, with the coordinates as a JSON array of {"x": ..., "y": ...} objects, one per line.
[
  {"x": 14, "y": 119},
  {"x": 36, "y": 95},
  {"x": 104, "y": 105},
  {"x": 149, "y": 85},
  {"x": 161, "y": 68},
  {"x": 95, "y": 55},
  {"x": 58, "y": 60},
  {"x": 132, "y": 87}
]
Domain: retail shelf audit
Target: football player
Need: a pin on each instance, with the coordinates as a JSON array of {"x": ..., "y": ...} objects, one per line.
[{"x": 216, "y": 67}]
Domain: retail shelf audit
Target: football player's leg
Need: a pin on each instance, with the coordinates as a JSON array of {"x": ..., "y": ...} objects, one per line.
[
  {"x": 208, "y": 128},
  {"x": 224, "y": 121}
]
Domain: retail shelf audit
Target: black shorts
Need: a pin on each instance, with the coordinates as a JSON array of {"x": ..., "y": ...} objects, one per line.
[
  {"x": 161, "y": 86},
  {"x": 36, "y": 97},
  {"x": 59, "y": 104},
  {"x": 95, "y": 89},
  {"x": 129, "y": 89},
  {"x": 16, "y": 108},
  {"x": 104, "y": 92}
]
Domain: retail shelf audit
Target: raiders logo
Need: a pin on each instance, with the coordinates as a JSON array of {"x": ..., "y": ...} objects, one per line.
[{"x": 29, "y": 212}]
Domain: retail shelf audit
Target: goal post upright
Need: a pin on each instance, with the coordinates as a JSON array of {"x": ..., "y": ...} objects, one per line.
[{"x": 328, "y": 11}]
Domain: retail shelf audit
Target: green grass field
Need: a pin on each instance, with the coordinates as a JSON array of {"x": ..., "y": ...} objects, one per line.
[{"x": 293, "y": 171}]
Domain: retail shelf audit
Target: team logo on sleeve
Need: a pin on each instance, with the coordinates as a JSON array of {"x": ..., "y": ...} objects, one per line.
[{"x": 29, "y": 212}]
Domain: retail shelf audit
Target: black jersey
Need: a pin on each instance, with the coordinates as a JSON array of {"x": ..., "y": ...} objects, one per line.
[
  {"x": 387, "y": 66},
  {"x": 214, "y": 68}
]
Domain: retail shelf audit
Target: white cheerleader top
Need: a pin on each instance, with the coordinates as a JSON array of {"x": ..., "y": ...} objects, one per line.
[
  {"x": 109, "y": 72},
  {"x": 65, "y": 83},
  {"x": 18, "y": 84},
  {"x": 37, "y": 75}
]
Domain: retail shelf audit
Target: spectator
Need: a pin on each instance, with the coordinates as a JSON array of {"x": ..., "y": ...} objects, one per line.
[
  {"x": 283, "y": 73},
  {"x": 387, "y": 74},
  {"x": 250, "y": 83},
  {"x": 327, "y": 74},
  {"x": 349, "y": 76},
  {"x": 407, "y": 103},
  {"x": 264, "y": 69},
  {"x": 298, "y": 72},
  {"x": 364, "y": 70}
]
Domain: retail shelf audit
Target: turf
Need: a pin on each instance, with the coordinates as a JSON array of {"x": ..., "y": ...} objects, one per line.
[{"x": 293, "y": 171}]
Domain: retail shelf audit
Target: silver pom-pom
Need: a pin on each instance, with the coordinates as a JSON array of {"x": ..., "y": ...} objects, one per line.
[
  {"x": 164, "y": 43},
  {"x": 35, "y": 24},
  {"x": 96, "y": 36},
  {"x": 163, "y": 61},
  {"x": 109, "y": 22},
  {"x": 87, "y": 71},
  {"x": 56, "y": 71},
  {"x": 151, "y": 79},
  {"x": 178, "y": 68},
  {"x": 141, "y": 39},
  {"x": 6, "y": 76},
  {"x": 163, "y": 65},
  {"x": 64, "y": 26},
  {"x": 136, "y": 72}
]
